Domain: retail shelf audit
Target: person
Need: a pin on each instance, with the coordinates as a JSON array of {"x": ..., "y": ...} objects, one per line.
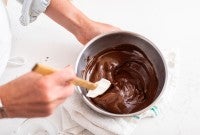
[{"x": 34, "y": 95}]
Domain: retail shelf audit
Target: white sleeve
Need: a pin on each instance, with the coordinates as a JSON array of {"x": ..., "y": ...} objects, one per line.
[{"x": 31, "y": 9}]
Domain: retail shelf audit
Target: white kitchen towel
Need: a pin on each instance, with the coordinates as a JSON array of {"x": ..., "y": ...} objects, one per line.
[{"x": 78, "y": 118}]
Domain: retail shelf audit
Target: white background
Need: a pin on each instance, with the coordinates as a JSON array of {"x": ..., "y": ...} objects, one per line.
[{"x": 168, "y": 23}]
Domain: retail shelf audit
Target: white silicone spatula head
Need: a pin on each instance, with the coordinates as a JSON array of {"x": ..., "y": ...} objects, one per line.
[{"x": 102, "y": 86}]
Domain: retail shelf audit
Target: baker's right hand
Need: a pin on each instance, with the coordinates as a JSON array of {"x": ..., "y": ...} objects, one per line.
[{"x": 34, "y": 95}]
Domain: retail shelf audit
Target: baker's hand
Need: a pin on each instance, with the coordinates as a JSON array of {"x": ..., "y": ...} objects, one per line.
[
  {"x": 34, "y": 95},
  {"x": 92, "y": 30}
]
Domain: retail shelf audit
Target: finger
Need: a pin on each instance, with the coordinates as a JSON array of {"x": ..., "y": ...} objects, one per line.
[
  {"x": 63, "y": 92},
  {"x": 33, "y": 110},
  {"x": 67, "y": 91},
  {"x": 62, "y": 76},
  {"x": 41, "y": 110}
]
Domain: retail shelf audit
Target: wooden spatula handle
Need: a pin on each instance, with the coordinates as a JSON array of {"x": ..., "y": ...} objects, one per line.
[
  {"x": 83, "y": 83},
  {"x": 46, "y": 70},
  {"x": 43, "y": 69}
]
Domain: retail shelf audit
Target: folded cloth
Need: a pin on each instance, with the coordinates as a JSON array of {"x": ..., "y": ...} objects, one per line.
[
  {"x": 85, "y": 118},
  {"x": 78, "y": 118},
  {"x": 31, "y": 9}
]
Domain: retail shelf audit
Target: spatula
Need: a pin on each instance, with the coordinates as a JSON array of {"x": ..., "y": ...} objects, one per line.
[{"x": 94, "y": 89}]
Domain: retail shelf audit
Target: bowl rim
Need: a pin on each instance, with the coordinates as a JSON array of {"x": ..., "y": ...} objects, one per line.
[{"x": 100, "y": 110}]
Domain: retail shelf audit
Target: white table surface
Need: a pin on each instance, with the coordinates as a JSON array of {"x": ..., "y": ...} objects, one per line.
[{"x": 169, "y": 24}]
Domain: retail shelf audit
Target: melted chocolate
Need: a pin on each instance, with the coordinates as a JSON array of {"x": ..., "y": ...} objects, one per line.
[{"x": 133, "y": 78}]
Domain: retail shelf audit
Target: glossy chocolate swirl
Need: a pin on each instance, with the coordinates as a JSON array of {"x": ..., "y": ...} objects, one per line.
[{"x": 133, "y": 78}]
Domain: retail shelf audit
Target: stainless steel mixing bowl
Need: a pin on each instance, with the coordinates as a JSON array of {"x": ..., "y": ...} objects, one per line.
[{"x": 113, "y": 39}]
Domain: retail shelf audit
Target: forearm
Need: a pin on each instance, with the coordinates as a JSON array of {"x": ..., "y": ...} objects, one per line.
[{"x": 67, "y": 15}]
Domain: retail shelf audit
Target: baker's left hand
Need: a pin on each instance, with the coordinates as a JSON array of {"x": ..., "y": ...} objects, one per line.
[{"x": 94, "y": 29}]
